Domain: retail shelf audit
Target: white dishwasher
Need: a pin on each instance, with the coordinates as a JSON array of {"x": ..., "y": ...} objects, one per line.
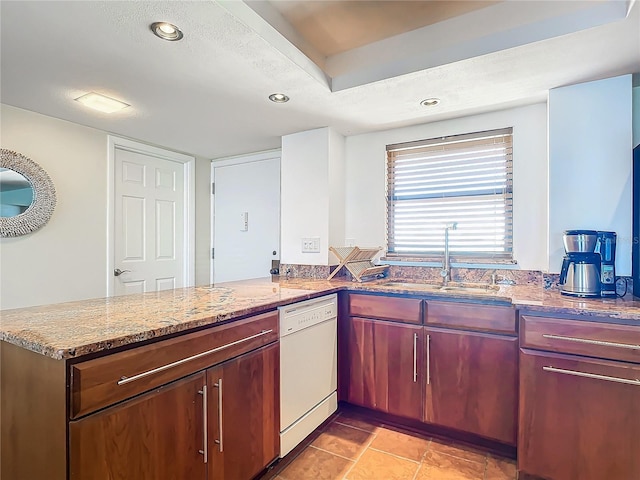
[{"x": 308, "y": 367}]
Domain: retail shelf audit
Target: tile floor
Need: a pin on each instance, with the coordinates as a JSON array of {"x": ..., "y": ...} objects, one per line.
[{"x": 352, "y": 448}]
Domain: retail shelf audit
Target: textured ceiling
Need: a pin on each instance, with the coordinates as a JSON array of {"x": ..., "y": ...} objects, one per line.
[{"x": 207, "y": 94}]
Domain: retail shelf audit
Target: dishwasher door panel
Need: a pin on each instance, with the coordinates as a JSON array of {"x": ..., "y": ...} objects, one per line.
[{"x": 308, "y": 370}]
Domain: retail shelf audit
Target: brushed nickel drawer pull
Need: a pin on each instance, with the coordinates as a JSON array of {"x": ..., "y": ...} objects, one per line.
[
  {"x": 415, "y": 357},
  {"x": 220, "y": 431},
  {"x": 592, "y": 375},
  {"x": 123, "y": 380},
  {"x": 592, "y": 342},
  {"x": 205, "y": 447},
  {"x": 428, "y": 361}
]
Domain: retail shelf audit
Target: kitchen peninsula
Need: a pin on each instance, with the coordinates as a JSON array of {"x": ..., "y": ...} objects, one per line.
[{"x": 70, "y": 371}]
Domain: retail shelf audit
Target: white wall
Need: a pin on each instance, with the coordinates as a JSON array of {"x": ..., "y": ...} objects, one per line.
[
  {"x": 65, "y": 259},
  {"x": 336, "y": 191},
  {"x": 203, "y": 221},
  {"x": 590, "y": 167},
  {"x": 366, "y": 165},
  {"x": 312, "y": 189}
]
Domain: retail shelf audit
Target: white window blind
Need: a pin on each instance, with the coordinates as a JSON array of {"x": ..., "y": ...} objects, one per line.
[{"x": 465, "y": 179}]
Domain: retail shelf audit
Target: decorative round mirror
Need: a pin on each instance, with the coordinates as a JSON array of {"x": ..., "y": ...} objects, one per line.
[{"x": 27, "y": 195}]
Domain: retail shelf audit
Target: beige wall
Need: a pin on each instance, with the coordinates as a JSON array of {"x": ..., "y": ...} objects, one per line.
[{"x": 67, "y": 258}]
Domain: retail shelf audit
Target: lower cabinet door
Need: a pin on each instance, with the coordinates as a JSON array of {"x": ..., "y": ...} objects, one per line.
[
  {"x": 385, "y": 367},
  {"x": 579, "y": 417},
  {"x": 472, "y": 382},
  {"x": 243, "y": 414},
  {"x": 157, "y": 435}
]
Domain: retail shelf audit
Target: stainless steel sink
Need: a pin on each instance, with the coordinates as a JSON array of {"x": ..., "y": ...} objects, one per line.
[{"x": 474, "y": 288}]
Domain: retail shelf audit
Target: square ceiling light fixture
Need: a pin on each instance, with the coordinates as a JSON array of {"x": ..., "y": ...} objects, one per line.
[{"x": 101, "y": 103}]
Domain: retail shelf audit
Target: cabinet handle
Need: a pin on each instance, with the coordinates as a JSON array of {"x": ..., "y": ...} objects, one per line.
[
  {"x": 219, "y": 387},
  {"x": 415, "y": 357},
  {"x": 124, "y": 380},
  {"x": 592, "y": 375},
  {"x": 428, "y": 361},
  {"x": 592, "y": 342},
  {"x": 205, "y": 447}
]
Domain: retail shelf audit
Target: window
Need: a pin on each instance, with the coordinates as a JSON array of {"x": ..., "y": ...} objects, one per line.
[{"x": 465, "y": 179}]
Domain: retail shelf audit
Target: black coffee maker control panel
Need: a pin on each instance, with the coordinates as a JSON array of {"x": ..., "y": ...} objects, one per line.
[{"x": 606, "y": 247}]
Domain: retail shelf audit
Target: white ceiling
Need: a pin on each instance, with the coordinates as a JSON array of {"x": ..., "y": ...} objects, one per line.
[{"x": 207, "y": 94}]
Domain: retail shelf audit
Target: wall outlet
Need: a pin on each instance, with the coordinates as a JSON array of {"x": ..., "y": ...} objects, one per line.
[{"x": 311, "y": 245}]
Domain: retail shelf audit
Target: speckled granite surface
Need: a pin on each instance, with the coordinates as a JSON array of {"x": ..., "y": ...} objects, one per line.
[{"x": 74, "y": 329}]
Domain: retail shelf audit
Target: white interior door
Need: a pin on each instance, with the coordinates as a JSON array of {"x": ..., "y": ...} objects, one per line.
[
  {"x": 246, "y": 225},
  {"x": 149, "y": 214}
]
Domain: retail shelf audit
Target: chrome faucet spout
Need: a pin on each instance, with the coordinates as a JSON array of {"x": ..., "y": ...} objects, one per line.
[{"x": 445, "y": 273}]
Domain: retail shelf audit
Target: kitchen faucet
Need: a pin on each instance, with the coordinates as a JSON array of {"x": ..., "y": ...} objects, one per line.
[{"x": 445, "y": 273}]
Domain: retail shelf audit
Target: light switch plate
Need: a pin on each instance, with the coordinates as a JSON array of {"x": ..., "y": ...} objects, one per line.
[
  {"x": 311, "y": 245},
  {"x": 244, "y": 221}
]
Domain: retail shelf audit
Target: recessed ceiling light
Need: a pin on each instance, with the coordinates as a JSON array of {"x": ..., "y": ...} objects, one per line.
[
  {"x": 166, "y": 31},
  {"x": 430, "y": 102},
  {"x": 278, "y": 98},
  {"x": 101, "y": 103}
]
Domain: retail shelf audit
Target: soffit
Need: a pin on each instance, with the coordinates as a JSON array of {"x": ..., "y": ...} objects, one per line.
[{"x": 335, "y": 27}]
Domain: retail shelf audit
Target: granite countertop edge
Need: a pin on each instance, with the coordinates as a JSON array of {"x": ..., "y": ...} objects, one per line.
[{"x": 105, "y": 324}]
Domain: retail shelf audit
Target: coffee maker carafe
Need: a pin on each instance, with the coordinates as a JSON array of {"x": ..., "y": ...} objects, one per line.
[
  {"x": 581, "y": 267},
  {"x": 606, "y": 247}
]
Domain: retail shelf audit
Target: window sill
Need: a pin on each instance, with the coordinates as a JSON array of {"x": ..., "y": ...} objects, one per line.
[{"x": 496, "y": 264}]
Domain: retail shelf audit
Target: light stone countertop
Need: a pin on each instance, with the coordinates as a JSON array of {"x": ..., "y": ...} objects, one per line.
[{"x": 73, "y": 329}]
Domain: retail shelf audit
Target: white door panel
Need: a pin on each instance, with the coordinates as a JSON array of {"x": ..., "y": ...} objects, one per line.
[
  {"x": 149, "y": 214},
  {"x": 251, "y": 192}
]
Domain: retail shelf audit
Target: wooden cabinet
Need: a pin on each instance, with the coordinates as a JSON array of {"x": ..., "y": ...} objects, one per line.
[
  {"x": 472, "y": 382},
  {"x": 385, "y": 307},
  {"x": 384, "y": 366},
  {"x": 230, "y": 411},
  {"x": 243, "y": 415},
  {"x": 146, "y": 412},
  {"x": 460, "y": 379},
  {"x": 156, "y": 435},
  {"x": 579, "y": 415},
  {"x": 112, "y": 378}
]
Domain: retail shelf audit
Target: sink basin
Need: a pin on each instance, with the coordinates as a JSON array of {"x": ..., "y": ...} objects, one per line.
[{"x": 475, "y": 288}]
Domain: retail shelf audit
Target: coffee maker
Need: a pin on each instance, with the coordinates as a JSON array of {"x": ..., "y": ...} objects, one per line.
[
  {"x": 606, "y": 247},
  {"x": 588, "y": 267},
  {"x": 581, "y": 266}
]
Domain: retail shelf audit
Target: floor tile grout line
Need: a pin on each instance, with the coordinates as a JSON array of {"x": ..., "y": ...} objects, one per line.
[
  {"x": 394, "y": 455},
  {"x": 424, "y": 455},
  {"x": 332, "y": 453},
  {"x": 353, "y": 426},
  {"x": 486, "y": 462},
  {"x": 461, "y": 458},
  {"x": 344, "y": 477}
]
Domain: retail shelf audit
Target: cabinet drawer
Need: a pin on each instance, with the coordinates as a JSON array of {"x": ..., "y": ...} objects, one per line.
[
  {"x": 104, "y": 381},
  {"x": 604, "y": 340},
  {"x": 390, "y": 308},
  {"x": 473, "y": 316},
  {"x": 579, "y": 417}
]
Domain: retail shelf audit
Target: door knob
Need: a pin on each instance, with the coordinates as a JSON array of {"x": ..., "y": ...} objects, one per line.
[{"x": 117, "y": 272}]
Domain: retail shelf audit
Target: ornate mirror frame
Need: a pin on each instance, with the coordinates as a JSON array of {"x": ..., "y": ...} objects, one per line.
[{"x": 44, "y": 193}]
